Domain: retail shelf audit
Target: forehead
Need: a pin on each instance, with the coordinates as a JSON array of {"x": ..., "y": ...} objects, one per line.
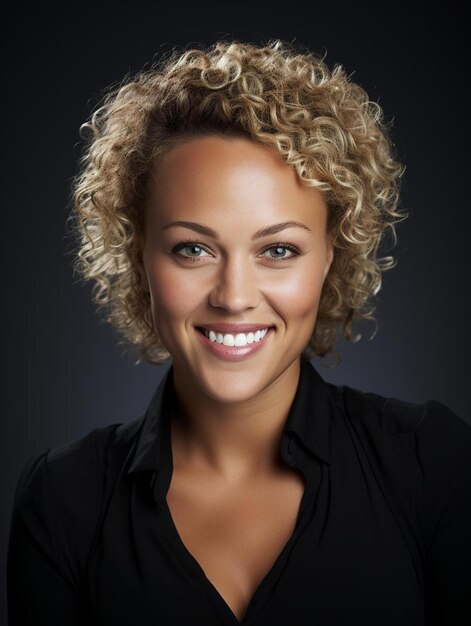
[{"x": 215, "y": 178}]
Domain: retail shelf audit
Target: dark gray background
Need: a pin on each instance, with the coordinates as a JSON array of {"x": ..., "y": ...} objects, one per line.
[{"x": 63, "y": 372}]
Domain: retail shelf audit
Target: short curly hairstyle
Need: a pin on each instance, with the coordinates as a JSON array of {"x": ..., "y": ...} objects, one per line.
[{"x": 322, "y": 124}]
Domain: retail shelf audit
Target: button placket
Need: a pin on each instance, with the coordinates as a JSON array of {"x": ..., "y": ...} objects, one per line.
[{"x": 289, "y": 450}]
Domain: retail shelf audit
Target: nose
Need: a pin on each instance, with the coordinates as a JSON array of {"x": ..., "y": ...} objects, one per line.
[{"x": 235, "y": 286}]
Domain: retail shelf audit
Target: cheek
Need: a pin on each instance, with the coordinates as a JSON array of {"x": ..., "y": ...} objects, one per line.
[
  {"x": 298, "y": 292},
  {"x": 173, "y": 291}
]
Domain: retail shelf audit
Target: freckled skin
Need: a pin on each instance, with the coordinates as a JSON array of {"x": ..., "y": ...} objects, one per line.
[{"x": 236, "y": 187}]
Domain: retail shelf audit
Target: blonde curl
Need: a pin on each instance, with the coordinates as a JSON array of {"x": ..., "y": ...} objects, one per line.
[{"x": 322, "y": 124}]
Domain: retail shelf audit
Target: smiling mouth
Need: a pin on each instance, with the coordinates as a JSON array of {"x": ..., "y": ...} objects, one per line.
[
  {"x": 238, "y": 339},
  {"x": 238, "y": 347}
]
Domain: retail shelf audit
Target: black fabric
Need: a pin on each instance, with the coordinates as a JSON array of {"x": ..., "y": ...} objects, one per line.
[{"x": 383, "y": 534}]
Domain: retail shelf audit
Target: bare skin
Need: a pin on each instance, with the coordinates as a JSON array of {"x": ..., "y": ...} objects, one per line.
[
  {"x": 233, "y": 500},
  {"x": 235, "y": 531},
  {"x": 235, "y": 521}
]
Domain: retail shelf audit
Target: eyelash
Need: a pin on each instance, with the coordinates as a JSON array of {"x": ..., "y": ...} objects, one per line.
[{"x": 185, "y": 244}]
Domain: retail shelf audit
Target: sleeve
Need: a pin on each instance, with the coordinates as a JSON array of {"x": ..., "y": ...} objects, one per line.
[
  {"x": 444, "y": 448},
  {"x": 40, "y": 589}
]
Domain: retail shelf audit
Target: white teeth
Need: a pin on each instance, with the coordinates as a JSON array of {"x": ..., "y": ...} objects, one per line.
[
  {"x": 228, "y": 340},
  {"x": 241, "y": 339}
]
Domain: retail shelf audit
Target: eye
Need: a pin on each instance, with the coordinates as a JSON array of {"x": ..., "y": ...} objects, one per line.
[
  {"x": 195, "y": 248},
  {"x": 280, "y": 252}
]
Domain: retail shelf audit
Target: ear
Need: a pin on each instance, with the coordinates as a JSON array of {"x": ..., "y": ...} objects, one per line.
[
  {"x": 329, "y": 253},
  {"x": 140, "y": 264}
]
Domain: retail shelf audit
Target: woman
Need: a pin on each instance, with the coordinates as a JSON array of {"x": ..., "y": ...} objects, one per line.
[{"x": 230, "y": 206}]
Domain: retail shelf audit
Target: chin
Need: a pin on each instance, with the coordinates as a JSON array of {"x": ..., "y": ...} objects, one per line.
[{"x": 230, "y": 385}]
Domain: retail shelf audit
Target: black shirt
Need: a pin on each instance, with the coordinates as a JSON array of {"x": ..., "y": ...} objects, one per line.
[{"x": 382, "y": 535}]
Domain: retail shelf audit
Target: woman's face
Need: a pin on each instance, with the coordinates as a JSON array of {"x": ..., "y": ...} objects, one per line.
[{"x": 220, "y": 267}]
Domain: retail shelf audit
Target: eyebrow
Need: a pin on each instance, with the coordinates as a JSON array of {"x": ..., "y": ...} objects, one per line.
[{"x": 263, "y": 232}]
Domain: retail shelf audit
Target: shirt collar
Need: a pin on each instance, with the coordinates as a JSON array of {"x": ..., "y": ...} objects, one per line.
[{"x": 309, "y": 419}]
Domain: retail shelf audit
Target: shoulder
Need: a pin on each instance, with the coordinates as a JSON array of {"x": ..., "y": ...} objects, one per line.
[
  {"x": 59, "y": 499},
  {"x": 94, "y": 451},
  {"x": 388, "y": 414},
  {"x": 85, "y": 456},
  {"x": 434, "y": 430},
  {"x": 431, "y": 420},
  {"x": 62, "y": 488},
  {"x": 427, "y": 439},
  {"x": 420, "y": 451}
]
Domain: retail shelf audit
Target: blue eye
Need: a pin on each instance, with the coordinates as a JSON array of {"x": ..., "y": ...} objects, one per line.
[
  {"x": 198, "y": 250},
  {"x": 280, "y": 248},
  {"x": 196, "y": 247}
]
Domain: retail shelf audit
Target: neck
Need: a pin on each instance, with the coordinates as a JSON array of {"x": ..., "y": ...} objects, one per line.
[{"x": 234, "y": 440}]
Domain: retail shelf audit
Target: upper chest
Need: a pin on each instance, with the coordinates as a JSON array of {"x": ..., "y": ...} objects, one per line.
[
  {"x": 236, "y": 533},
  {"x": 350, "y": 550}
]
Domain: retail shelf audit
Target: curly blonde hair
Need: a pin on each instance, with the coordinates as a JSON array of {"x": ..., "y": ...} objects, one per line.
[{"x": 322, "y": 124}]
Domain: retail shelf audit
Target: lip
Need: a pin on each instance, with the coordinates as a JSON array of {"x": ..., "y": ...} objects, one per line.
[
  {"x": 234, "y": 353},
  {"x": 225, "y": 327}
]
